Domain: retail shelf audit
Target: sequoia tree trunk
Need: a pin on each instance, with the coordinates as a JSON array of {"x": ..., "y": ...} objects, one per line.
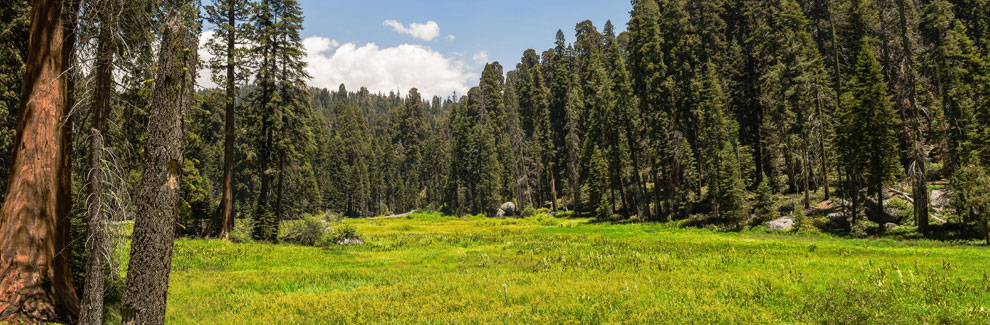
[
  {"x": 227, "y": 202},
  {"x": 158, "y": 195},
  {"x": 92, "y": 299},
  {"x": 35, "y": 275}
]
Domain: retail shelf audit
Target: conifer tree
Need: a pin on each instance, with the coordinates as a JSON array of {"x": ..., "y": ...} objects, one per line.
[
  {"x": 717, "y": 149},
  {"x": 280, "y": 113},
  {"x": 228, "y": 69},
  {"x": 867, "y": 139},
  {"x": 647, "y": 70},
  {"x": 956, "y": 69}
]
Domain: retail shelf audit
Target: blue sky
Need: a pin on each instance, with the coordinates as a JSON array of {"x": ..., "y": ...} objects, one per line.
[{"x": 350, "y": 42}]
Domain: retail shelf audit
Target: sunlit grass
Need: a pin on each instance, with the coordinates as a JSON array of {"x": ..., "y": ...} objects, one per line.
[{"x": 429, "y": 268}]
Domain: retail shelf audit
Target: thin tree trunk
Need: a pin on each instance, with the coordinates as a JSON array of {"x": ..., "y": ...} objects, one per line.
[
  {"x": 158, "y": 195},
  {"x": 919, "y": 171},
  {"x": 821, "y": 141},
  {"x": 35, "y": 277},
  {"x": 92, "y": 299},
  {"x": 807, "y": 174},
  {"x": 227, "y": 200}
]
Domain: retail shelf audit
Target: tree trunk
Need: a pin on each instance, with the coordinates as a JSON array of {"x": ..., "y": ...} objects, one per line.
[
  {"x": 92, "y": 299},
  {"x": 35, "y": 275},
  {"x": 918, "y": 173},
  {"x": 227, "y": 201},
  {"x": 158, "y": 195}
]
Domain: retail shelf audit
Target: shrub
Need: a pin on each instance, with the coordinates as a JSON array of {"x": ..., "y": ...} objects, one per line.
[
  {"x": 527, "y": 212},
  {"x": 901, "y": 209},
  {"x": 344, "y": 233},
  {"x": 565, "y": 214},
  {"x": 307, "y": 231},
  {"x": 862, "y": 228},
  {"x": 241, "y": 233},
  {"x": 904, "y": 233},
  {"x": 763, "y": 208}
]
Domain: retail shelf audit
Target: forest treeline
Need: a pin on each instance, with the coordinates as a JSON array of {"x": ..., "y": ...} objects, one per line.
[
  {"x": 699, "y": 109},
  {"x": 692, "y": 110},
  {"x": 689, "y": 111}
]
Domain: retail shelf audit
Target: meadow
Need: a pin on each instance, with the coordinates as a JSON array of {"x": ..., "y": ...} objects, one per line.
[{"x": 428, "y": 268}]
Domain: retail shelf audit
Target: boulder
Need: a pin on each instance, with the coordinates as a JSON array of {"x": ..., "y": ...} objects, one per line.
[
  {"x": 890, "y": 225},
  {"x": 939, "y": 200},
  {"x": 350, "y": 241},
  {"x": 781, "y": 224},
  {"x": 508, "y": 209}
]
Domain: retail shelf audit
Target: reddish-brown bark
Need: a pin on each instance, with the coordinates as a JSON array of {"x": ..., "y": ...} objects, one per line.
[{"x": 35, "y": 275}]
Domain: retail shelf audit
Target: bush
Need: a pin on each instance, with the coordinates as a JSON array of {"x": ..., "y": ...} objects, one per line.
[
  {"x": 863, "y": 228},
  {"x": 307, "y": 231},
  {"x": 241, "y": 233},
  {"x": 763, "y": 208},
  {"x": 527, "y": 212},
  {"x": 901, "y": 209},
  {"x": 565, "y": 214},
  {"x": 342, "y": 234}
]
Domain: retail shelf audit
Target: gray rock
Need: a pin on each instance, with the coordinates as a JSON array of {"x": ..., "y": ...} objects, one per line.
[
  {"x": 350, "y": 241},
  {"x": 939, "y": 199},
  {"x": 836, "y": 216},
  {"x": 508, "y": 209},
  {"x": 781, "y": 224},
  {"x": 890, "y": 225}
]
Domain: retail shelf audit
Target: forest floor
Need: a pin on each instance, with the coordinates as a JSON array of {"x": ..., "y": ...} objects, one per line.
[{"x": 427, "y": 268}]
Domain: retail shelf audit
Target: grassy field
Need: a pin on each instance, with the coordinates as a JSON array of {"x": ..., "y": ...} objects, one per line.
[{"x": 434, "y": 269}]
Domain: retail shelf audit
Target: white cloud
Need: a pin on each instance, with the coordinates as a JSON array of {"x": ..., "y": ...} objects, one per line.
[
  {"x": 204, "y": 80},
  {"x": 481, "y": 58},
  {"x": 451, "y": 37},
  {"x": 426, "y": 32},
  {"x": 385, "y": 69}
]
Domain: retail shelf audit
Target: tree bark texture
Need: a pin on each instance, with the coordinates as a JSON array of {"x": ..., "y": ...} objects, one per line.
[
  {"x": 158, "y": 194},
  {"x": 35, "y": 273},
  {"x": 227, "y": 201},
  {"x": 92, "y": 298}
]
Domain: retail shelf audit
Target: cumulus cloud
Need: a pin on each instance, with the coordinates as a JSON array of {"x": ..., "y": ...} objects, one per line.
[
  {"x": 204, "y": 80},
  {"x": 385, "y": 69},
  {"x": 426, "y": 32},
  {"x": 481, "y": 58},
  {"x": 451, "y": 37}
]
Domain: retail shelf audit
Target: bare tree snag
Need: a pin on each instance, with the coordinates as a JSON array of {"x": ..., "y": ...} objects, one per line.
[
  {"x": 92, "y": 299},
  {"x": 158, "y": 195},
  {"x": 35, "y": 276}
]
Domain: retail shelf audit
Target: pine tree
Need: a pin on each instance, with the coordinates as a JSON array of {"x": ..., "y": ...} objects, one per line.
[
  {"x": 867, "y": 140},
  {"x": 627, "y": 122},
  {"x": 281, "y": 112},
  {"x": 956, "y": 67},
  {"x": 717, "y": 148},
  {"x": 229, "y": 70},
  {"x": 600, "y": 204},
  {"x": 534, "y": 115},
  {"x": 647, "y": 70}
]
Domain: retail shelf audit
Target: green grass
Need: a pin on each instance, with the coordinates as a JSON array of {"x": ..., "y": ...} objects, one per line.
[{"x": 434, "y": 269}]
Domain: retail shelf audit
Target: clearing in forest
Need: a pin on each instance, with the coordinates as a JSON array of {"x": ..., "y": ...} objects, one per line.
[{"x": 428, "y": 268}]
